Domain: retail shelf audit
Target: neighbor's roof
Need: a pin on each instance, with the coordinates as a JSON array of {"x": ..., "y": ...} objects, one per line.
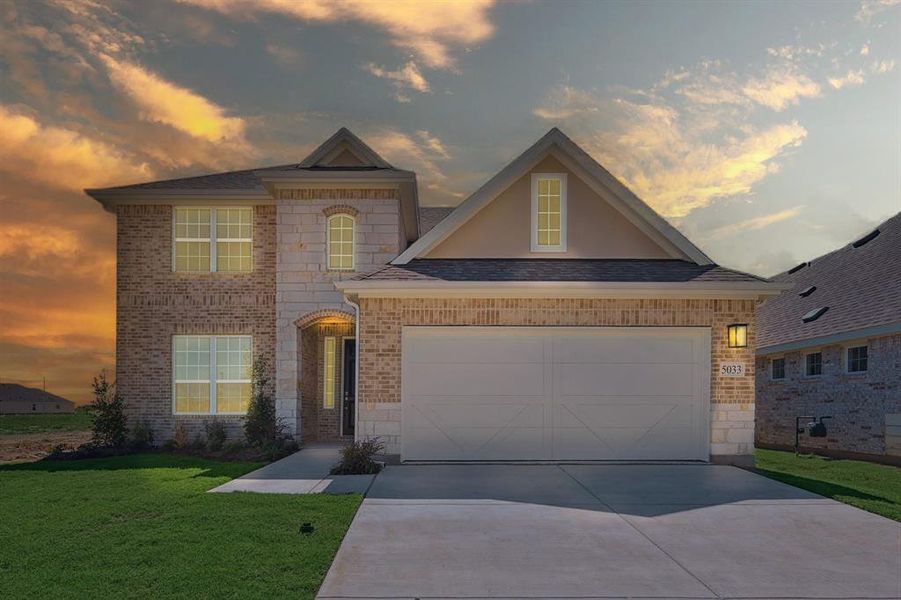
[
  {"x": 429, "y": 216},
  {"x": 860, "y": 287},
  {"x": 13, "y": 391},
  {"x": 558, "y": 269}
]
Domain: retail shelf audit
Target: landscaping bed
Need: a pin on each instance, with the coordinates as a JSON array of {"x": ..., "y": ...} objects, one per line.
[
  {"x": 143, "y": 526},
  {"x": 870, "y": 486}
]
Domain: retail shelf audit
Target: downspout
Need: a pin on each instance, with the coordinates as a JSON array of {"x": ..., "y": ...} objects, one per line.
[{"x": 356, "y": 366}]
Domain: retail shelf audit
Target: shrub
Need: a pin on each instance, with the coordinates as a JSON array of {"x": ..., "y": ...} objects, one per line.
[
  {"x": 180, "y": 438},
  {"x": 141, "y": 436},
  {"x": 107, "y": 415},
  {"x": 169, "y": 445},
  {"x": 357, "y": 458},
  {"x": 198, "y": 444},
  {"x": 216, "y": 435},
  {"x": 261, "y": 426},
  {"x": 232, "y": 448}
]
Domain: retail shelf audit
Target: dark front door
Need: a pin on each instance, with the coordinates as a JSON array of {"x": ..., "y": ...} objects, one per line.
[{"x": 349, "y": 375}]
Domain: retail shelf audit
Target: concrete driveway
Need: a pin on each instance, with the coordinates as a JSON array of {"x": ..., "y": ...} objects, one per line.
[{"x": 611, "y": 531}]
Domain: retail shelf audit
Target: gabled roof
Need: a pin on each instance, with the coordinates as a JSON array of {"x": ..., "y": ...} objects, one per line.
[
  {"x": 859, "y": 284},
  {"x": 341, "y": 140},
  {"x": 429, "y": 216},
  {"x": 557, "y": 144}
]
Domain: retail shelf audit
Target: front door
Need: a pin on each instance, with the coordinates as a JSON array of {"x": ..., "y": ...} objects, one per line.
[{"x": 349, "y": 378}]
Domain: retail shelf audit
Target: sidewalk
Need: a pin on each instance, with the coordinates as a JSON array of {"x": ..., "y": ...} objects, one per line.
[{"x": 304, "y": 472}]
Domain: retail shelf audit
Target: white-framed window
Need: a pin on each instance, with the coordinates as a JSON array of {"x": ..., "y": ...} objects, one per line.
[
  {"x": 330, "y": 366},
  {"x": 340, "y": 242},
  {"x": 212, "y": 239},
  {"x": 549, "y": 212},
  {"x": 211, "y": 374},
  {"x": 857, "y": 359},
  {"x": 813, "y": 364},
  {"x": 777, "y": 369}
]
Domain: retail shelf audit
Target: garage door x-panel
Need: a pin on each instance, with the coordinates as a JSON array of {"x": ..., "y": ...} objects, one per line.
[{"x": 520, "y": 393}]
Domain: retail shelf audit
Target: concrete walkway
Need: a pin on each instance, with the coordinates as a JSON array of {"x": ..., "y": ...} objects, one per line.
[
  {"x": 605, "y": 531},
  {"x": 304, "y": 472}
]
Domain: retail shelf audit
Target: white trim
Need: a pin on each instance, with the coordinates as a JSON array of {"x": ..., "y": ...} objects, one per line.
[
  {"x": 345, "y": 137},
  {"x": 363, "y": 288},
  {"x": 807, "y": 375},
  {"x": 784, "y": 369},
  {"x": 212, "y": 381},
  {"x": 535, "y": 246},
  {"x": 846, "y": 361},
  {"x": 328, "y": 242},
  {"x": 213, "y": 239},
  {"x": 595, "y": 176}
]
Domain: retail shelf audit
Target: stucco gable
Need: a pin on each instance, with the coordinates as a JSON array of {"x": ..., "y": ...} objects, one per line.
[{"x": 647, "y": 234}]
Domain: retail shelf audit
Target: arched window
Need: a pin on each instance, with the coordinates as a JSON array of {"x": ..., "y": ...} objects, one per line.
[{"x": 340, "y": 242}]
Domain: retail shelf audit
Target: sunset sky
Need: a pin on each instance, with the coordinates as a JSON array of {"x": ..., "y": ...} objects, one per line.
[{"x": 769, "y": 132}]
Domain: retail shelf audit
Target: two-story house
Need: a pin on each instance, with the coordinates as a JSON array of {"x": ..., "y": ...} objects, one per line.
[{"x": 552, "y": 315}]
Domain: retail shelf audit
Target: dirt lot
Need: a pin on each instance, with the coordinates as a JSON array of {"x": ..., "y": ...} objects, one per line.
[{"x": 25, "y": 447}]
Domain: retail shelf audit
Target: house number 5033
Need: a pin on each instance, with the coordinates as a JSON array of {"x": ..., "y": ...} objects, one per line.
[{"x": 732, "y": 369}]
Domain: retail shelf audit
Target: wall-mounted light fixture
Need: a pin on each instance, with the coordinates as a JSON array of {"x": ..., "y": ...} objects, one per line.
[{"x": 738, "y": 335}]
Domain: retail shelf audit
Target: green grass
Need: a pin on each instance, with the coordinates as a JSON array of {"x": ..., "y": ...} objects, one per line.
[
  {"x": 870, "y": 486},
  {"x": 143, "y": 527},
  {"x": 44, "y": 423}
]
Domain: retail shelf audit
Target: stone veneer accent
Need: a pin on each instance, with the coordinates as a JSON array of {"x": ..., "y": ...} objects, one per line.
[
  {"x": 154, "y": 303},
  {"x": 858, "y": 403},
  {"x": 303, "y": 282},
  {"x": 379, "y": 348},
  {"x": 316, "y": 421}
]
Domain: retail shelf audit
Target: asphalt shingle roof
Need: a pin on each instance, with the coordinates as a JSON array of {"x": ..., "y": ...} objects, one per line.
[
  {"x": 860, "y": 286},
  {"x": 429, "y": 216},
  {"x": 560, "y": 269},
  {"x": 14, "y": 391}
]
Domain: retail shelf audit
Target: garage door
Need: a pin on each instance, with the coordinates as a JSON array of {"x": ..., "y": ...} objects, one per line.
[{"x": 548, "y": 393}]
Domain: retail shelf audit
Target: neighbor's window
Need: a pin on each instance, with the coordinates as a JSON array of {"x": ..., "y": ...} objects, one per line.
[
  {"x": 857, "y": 359},
  {"x": 212, "y": 374},
  {"x": 341, "y": 242},
  {"x": 208, "y": 240},
  {"x": 778, "y": 367},
  {"x": 548, "y": 212},
  {"x": 814, "y": 364},
  {"x": 328, "y": 385}
]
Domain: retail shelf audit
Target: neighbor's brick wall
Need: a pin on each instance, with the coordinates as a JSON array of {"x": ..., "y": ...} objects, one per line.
[
  {"x": 381, "y": 321},
  {"x": 154, "y": 303},
  {"x": 303, "y": 282},
  {"x": 858, "y": 402}
]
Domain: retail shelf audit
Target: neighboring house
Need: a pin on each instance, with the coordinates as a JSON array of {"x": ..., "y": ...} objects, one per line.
[
  {"x": 17, "y": 399},
  {"x": 832, "y": 347},
  {"x": 552, "y": 315}
]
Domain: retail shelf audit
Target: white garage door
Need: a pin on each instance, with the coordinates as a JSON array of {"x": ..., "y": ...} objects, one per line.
[{"x": 552, "y": 393}]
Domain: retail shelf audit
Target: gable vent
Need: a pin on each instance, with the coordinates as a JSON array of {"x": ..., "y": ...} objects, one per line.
[
  {"x": 867, "y": 238},
  {"x": 814, "y": 314},
  {"x": 798, "y": 268},
  {"x": 807, "y": 291}
]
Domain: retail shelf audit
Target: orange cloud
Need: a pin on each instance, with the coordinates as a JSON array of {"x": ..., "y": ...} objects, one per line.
[
  {"x": 426, "y": 28},
  {"x": 164, "y": 102},
  {"x": 62, "y": 157},
  {"x": 408, "y": 76}
]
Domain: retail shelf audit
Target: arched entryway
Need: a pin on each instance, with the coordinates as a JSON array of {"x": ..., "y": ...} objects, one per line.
[{"x": 326, "y": 375}]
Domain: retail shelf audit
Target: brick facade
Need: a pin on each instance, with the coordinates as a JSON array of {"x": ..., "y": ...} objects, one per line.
[
  {"x": 154, "y": 303},
  {"x": 303, "y": 282},
  {"x": 381, "y": 320},
  {"x": 317, "y": 422},
  {"x": 859, "y": 403}
]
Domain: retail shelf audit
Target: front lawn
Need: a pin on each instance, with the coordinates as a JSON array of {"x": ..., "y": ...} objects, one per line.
[
  {"x": 11, "y": 424},
  {"x": 870, "y": 486},
  {"x": 143, "y": 527}
]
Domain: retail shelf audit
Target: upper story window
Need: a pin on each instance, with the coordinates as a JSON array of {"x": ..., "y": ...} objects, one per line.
[
  {"x": 211, "y": 374},
  {"x": 814, "y": 364},
  {"x": 549, "y": 212},
  {"x": 213, "y": 239},
  {"x": 857, "y": 359},
  {"x": 340, "y": 242},
  {"x": 778, "y": 368}
]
